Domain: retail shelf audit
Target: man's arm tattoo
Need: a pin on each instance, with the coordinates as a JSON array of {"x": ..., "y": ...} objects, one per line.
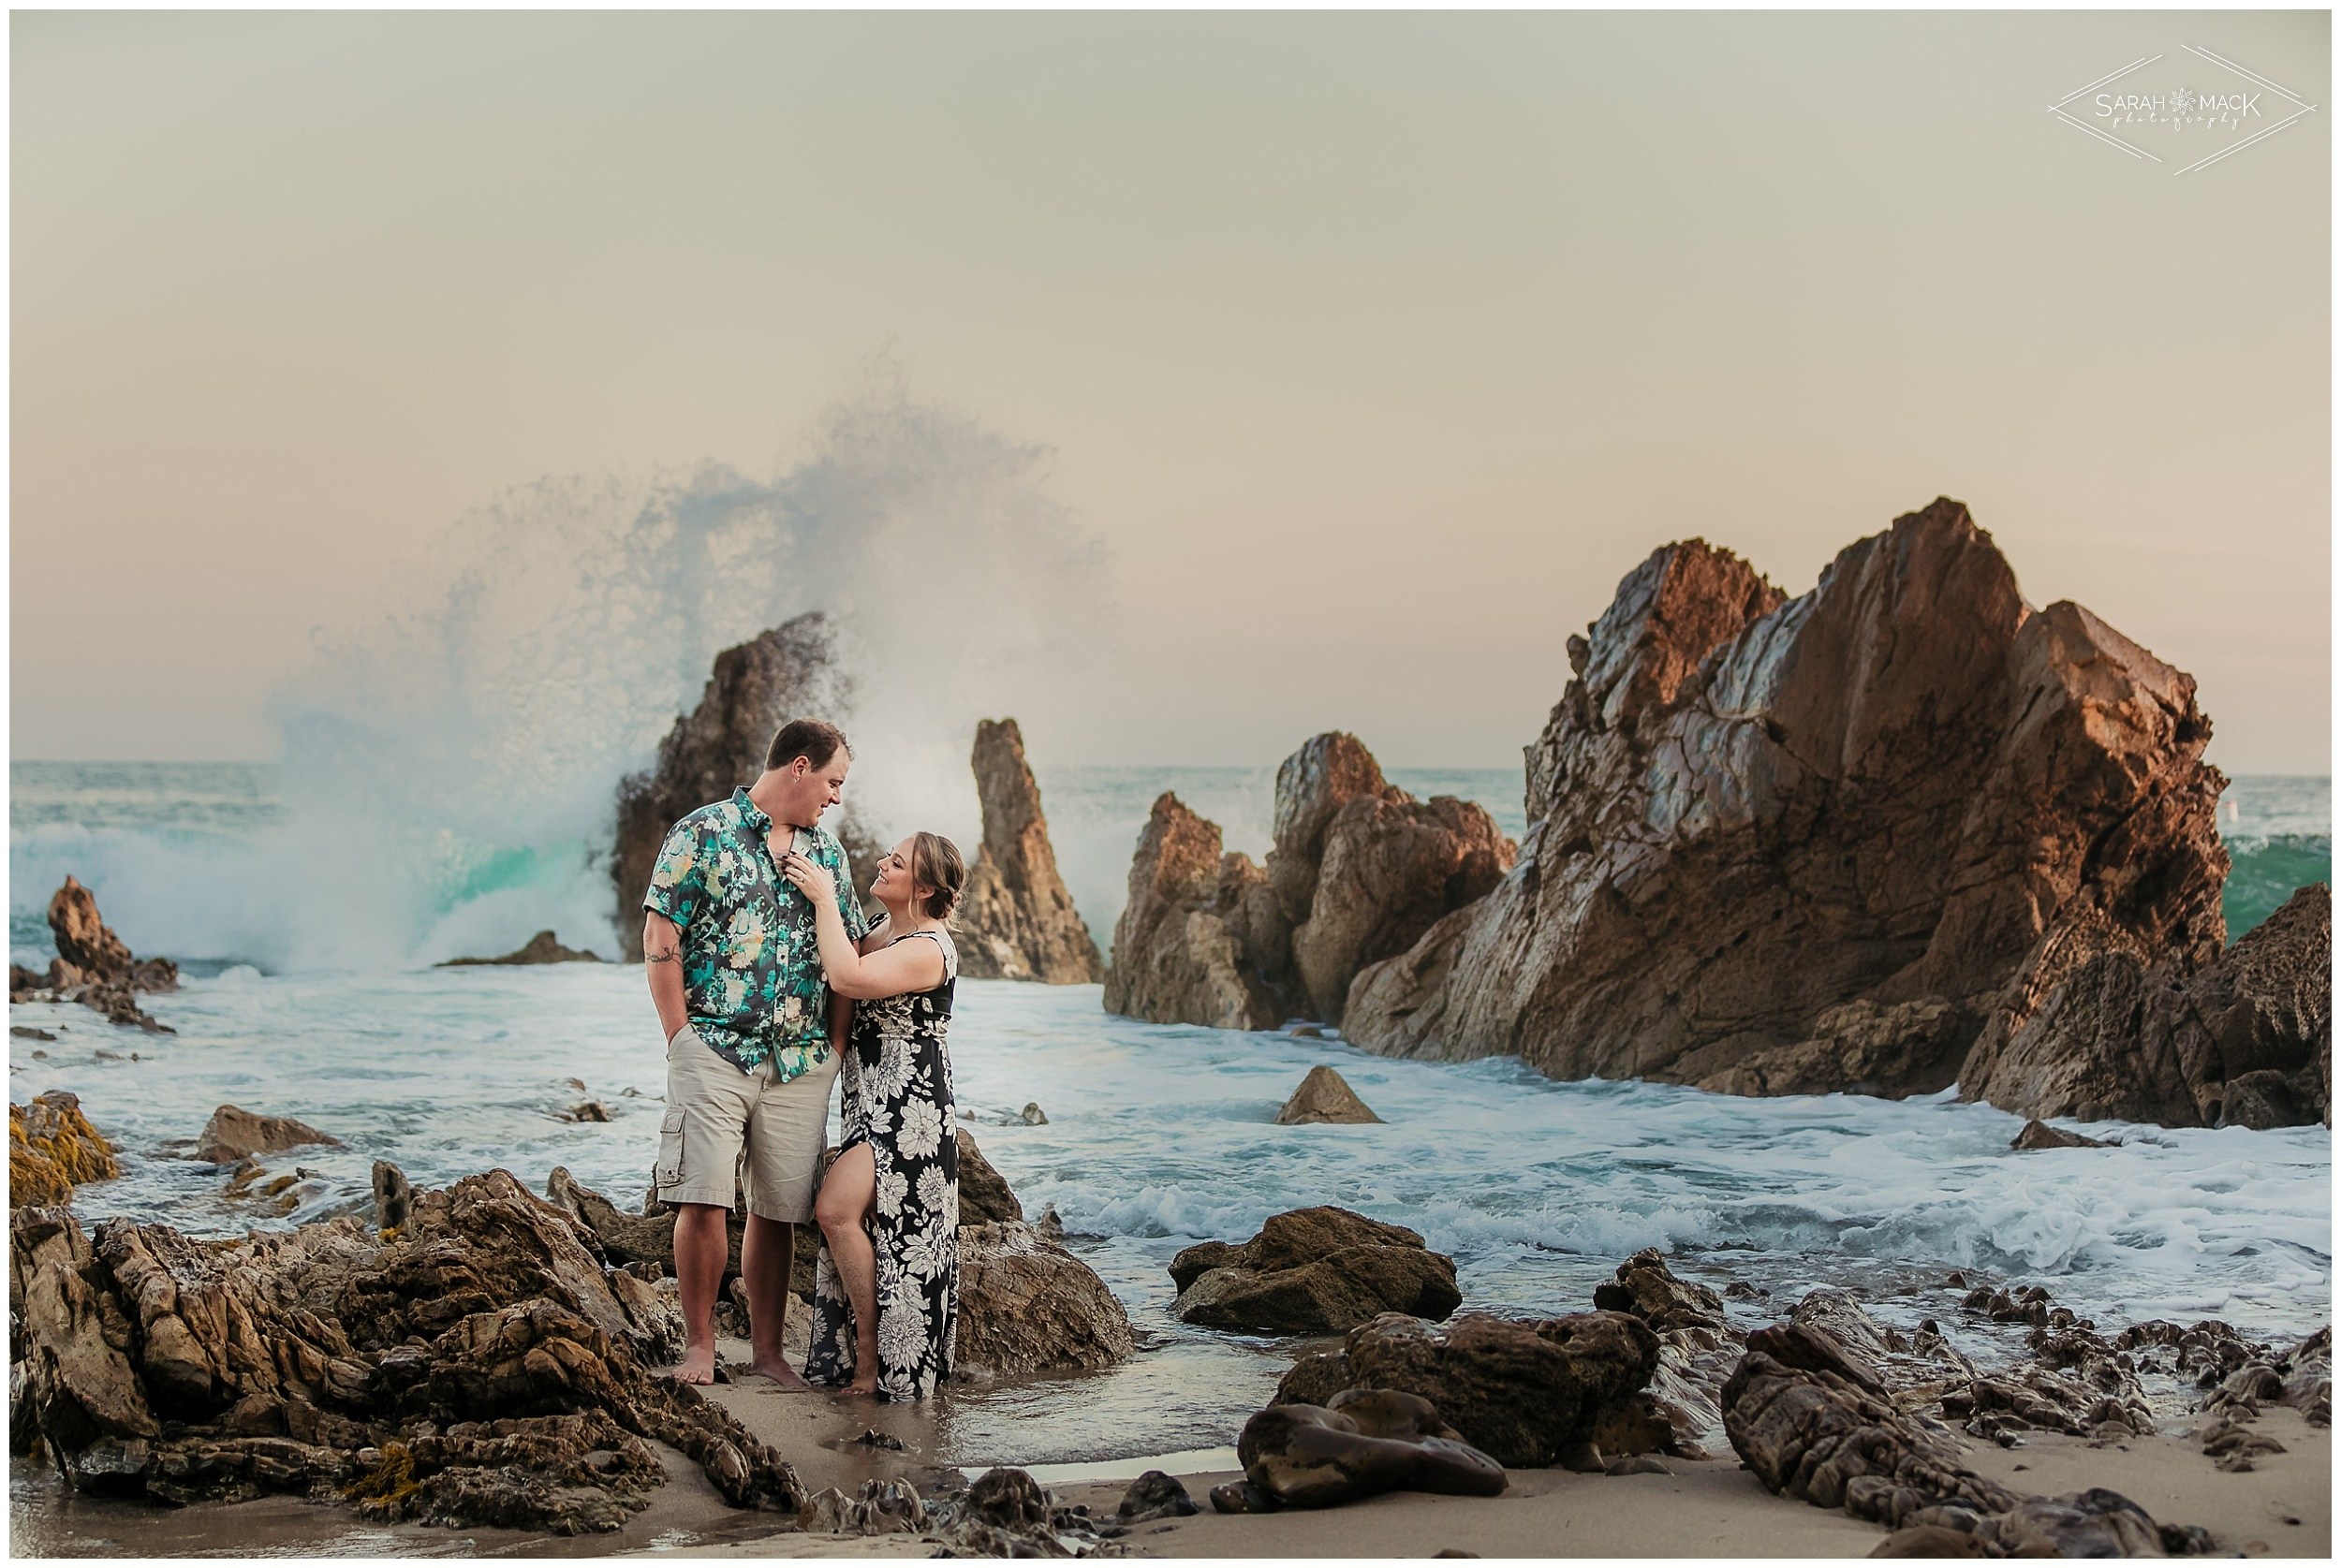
[{"x": 669, "y": 956}]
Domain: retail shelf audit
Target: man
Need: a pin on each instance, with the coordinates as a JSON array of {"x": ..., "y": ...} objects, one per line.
[{"x": 753, "y": 1035}]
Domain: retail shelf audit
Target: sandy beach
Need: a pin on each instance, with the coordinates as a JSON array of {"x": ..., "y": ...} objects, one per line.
[{"x": 1708, "y": 1508}]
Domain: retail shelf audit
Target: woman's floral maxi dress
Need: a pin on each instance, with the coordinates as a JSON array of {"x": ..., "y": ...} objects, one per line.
[{"x": 898, "y": 1100}]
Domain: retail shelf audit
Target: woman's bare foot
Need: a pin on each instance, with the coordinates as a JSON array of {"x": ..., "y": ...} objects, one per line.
[
  {"x": 698, "y": 1366},
  {"x": 858, "y": 1389}
]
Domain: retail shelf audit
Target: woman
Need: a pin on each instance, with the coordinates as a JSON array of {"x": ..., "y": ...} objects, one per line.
[{"x": 897, "y": 1167}]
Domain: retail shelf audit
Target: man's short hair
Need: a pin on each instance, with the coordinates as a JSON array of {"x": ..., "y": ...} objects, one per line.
[{"x": 809, "y": 739}]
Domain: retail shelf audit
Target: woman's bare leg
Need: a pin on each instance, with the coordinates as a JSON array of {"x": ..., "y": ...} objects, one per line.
[{"x": 841, "y": 1211}]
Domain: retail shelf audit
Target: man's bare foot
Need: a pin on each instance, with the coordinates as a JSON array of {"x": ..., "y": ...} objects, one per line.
[
  {"x": 780, "y": 1372},
  {"x": 698, "y": 1366}
]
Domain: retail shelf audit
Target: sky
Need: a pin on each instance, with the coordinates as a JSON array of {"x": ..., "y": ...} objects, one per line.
[{"x": 1368, "y": 350}]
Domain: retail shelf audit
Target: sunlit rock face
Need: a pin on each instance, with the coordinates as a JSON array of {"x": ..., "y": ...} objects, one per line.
[{"x": 1905, "y": 789}]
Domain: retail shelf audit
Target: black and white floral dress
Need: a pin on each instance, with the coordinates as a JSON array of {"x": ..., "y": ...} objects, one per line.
[{"x": 897, "y": 1099}]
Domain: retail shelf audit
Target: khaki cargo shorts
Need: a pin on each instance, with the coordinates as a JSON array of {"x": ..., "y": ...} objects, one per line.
[{"x": 714, "y": 1111}]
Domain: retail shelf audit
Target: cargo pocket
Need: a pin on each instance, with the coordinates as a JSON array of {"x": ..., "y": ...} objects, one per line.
[{"x": 667, "y": 1173}]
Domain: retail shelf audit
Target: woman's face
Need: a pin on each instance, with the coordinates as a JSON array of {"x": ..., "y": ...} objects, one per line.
[{"x": 892, "y": 883}]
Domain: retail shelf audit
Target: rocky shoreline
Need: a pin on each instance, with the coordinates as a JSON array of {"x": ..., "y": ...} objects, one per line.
[{"x": 489, "y": 1361}]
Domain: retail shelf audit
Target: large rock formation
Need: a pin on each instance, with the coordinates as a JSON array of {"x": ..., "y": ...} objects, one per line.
[
  {"x": 1201, "y": 939},
  {"x": 52, "y": 1148},
  {"x": 786, "y": 673},
  {"x": 1319, "y": 1270},
  {"x": 1809, "y": 843},
  {"x": 2244, "y": 1041},
  {"x": 1358, "y": 871},
  {"x": 1361, "y": 868},
  {"x": 1017, "y": 921},
  {"x": 93, "y": 966},
  {"x": 483, "y": 1367}
]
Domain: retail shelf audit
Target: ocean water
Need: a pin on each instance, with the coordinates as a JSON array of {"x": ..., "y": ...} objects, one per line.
[{"x": 1158, "y": 1136}]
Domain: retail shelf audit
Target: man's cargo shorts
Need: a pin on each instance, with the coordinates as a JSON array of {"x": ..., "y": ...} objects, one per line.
[{"x": 713, "y": 1108}]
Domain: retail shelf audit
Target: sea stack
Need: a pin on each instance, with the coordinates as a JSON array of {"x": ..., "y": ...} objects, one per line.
[
  {"x": 93, "y": 966},
  {"x": 1860, "y": 837},
  {"x": 1198, "y": 932},
  {"x": 1358, "y": 871},
  {"x": 788, "y": 672},
  {"x": 1017, "y": 921}
]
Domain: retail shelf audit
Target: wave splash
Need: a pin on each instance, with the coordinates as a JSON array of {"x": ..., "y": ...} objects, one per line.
[{"x": 449, "y": 772}]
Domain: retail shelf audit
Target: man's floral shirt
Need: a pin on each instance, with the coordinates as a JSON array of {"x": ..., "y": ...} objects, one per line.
[{"x": 751, "y": 966}]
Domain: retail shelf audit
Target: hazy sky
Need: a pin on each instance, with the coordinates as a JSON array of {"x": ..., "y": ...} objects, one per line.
[{"x": 1372, "y": 348}]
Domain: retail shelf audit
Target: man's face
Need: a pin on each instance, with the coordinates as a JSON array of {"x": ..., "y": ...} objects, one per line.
[{"x": 812, "y": 788}]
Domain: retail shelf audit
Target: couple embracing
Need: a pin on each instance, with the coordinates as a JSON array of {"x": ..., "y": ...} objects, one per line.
[{"x": 770, "y": 985}]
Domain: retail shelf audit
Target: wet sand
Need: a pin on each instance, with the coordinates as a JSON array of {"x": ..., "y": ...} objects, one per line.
[{"x": 1709, "y": 1508}]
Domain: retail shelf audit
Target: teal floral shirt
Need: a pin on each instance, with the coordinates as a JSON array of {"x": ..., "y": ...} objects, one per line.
[{"x": 751, "y": 965}]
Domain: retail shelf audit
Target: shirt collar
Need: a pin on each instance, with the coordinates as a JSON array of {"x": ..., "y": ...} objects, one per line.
[{"x": 752, "y": 814}]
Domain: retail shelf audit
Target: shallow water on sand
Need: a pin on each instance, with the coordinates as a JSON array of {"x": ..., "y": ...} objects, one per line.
[{"x": 1158, "y": 1136}]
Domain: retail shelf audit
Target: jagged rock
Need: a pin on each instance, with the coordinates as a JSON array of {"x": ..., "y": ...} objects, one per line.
[
  {"x": 1006, "y": 1513},
  {"x": 52, "y": 1148},
  {"x": 1524, "y": 1393},
  {"x": 1905, "y": 788},
  {"x": 984, "y": 1195},
  {"x": 1698, "y": 1346},
  {"x": 1369, "y": 1441},
  {"x": 93, "y": 965},
  {"x": 1017, "y": 922},
  {"x": 394, "y": 1196},
  {"x": 89, "y": 945},
  {"x": 1319, "y": 1270},
  {"x": 2039, "y": 1134},
  {"x": 1815, "y": 1423},
  {"x": 788, "y": 672},
  {"x": 541, "y": 948},
  {"x": 234, "y": 1133},
  {"x": 1201, "y": 939},
  {"x": 1032, "y": 1115},
  {"x": 2244, "y": 1041},
  {"x": 1156, "y": 1495},
  {"x": 2255, "y": 1375},
  {"x": 878, "y": 1508},
  {"x": 586, "y": 1110},
  {"x": 482, "y": 1367},
  {"x": 1026, "y": 1304},
  {"x": 1361, "y": 868},
  {"x": 1324, "y": 1095}
]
